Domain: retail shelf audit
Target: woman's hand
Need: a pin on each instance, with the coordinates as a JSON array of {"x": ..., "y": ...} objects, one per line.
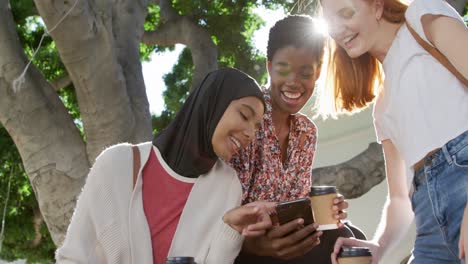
[
  {"x": 352, "y": 242},
  {"x": 252, "y": 219},
  {"x": 339, "y": 206},
  {"x": 286, "y": 241}
]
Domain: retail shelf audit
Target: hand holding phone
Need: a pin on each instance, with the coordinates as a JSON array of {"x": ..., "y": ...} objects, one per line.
[
  {"x": 289, "y": 238},
  {"x": 290, "y": 210}
]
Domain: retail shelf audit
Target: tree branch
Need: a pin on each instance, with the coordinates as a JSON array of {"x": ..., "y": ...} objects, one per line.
[
  {"x": 166, "y": 35},
  {"x": 357, "y": 176},
  {"x": 183, "y": 30},
  {"x": 167, "y": 12},
  {"x": 128, "y": 28},
  {"x": 37, "y": 223}
]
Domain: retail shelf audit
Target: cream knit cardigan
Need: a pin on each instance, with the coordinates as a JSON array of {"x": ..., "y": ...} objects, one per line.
[{"x": 109, "y": 224}]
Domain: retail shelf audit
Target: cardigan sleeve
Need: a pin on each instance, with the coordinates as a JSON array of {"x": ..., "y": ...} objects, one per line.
[
  {"x": 225, "y": 246},
  {"x": 93, "y": 234},
  {"x": 80, "y": 243}
]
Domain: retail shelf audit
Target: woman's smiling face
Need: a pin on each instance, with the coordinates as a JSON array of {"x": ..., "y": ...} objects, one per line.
[
  {"x": 236, "y": 128},
  {"x": 293, "y": 72},
  {"x": 353, "y": 23}
]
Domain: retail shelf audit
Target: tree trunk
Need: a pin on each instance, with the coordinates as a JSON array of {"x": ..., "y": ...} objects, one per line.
[
  {"x": 50, "y": 145},
  {"x": 101, "y": 55},
  {"x": 356, "y": 176}
]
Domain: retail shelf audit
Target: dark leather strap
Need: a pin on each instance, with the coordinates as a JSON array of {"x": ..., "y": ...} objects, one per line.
[
  {"x": 420, "y": 163},
  {"x": 136, "y": 164},
  {"x": 437, "y": 55}
]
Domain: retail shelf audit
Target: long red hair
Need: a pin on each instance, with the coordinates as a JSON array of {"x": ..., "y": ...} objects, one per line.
[{"x": 352, "y": 84}]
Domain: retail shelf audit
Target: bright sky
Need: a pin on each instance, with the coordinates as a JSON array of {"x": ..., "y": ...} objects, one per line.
[{"x": 161, "y": 64}]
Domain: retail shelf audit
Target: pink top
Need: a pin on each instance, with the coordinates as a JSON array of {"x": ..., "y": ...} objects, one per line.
[{"x": 164, "y": 196}]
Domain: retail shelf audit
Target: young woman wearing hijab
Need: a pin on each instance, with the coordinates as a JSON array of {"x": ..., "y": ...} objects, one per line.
[{"x": 183, "y": 199}]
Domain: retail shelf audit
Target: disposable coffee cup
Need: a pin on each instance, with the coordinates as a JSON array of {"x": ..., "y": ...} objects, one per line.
[
  {"x": 180, "y": 260},
  {"x": 355, "y": 255},
  {"x": 321, "y": 198}
]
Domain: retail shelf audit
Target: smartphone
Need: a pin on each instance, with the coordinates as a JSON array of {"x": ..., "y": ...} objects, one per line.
[{"x": 290, "y": 210}]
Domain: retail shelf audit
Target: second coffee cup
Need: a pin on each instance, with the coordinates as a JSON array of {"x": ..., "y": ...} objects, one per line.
[
  {"x": 180, "y": 260},
  {"x": 355, "y": 255},
  {"x": 321, "y": 198}
]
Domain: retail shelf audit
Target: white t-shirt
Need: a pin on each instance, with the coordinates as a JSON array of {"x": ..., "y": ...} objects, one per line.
[{"x": 422, "y": 105}]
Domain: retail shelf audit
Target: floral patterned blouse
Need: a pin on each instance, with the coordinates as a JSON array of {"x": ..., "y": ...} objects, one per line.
[{"x": 263, "y": 175}]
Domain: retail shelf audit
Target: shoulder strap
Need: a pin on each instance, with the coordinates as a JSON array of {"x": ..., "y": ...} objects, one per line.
[
  {"x": 136, "y": 163},
  {"x": 437, "y": 55}
]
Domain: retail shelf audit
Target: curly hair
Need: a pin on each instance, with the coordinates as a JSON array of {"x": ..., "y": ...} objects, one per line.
[{"x": 299, "y": 31}]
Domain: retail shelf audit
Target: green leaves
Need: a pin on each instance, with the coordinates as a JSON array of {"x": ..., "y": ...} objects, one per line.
[
  {"x": 231, "y": 25},
  {"x": 19, "y": 229},
  {"x": 151, "y": 23}
]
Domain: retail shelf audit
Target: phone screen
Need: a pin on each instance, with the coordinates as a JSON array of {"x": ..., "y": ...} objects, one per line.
[{"x": 290, "y": 210}]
